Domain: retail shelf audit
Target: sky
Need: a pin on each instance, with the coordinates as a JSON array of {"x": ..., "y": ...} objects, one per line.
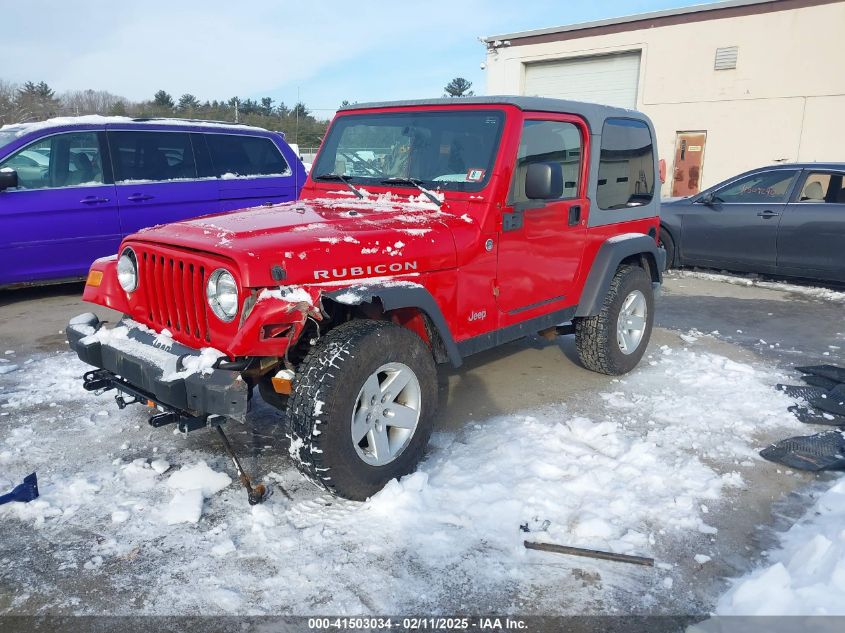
[{"x": 319, "y": 52}]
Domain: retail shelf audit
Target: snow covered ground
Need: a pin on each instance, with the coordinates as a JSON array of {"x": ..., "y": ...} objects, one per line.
[
  {"x": 653, "y": 465},
  {"x": 805, "y": 290}
]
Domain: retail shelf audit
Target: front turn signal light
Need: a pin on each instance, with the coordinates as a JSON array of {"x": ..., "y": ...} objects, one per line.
[{"x": 95, "y": 278}]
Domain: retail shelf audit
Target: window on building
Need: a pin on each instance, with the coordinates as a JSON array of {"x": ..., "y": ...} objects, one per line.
[
  {"x": 244, "y": 156},
  {"x": 61, "y": 160},
  {"x": 767, "y": 186},
  {"x": 549, "y": 142},
  {"x": 823, "y": 188},
  {"x": 152, "y": 156},
  {"x": 626, "y": 165}
]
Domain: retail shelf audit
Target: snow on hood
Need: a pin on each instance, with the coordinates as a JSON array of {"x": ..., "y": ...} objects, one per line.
[{"x": 319, "y": 234}]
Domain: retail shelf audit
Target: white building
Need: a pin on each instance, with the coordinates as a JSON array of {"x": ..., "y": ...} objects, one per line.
[{"x": 730, "y": 86}]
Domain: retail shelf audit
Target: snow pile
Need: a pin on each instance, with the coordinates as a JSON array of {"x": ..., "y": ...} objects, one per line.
[
  {"x": 806, "y": 575},
  {"x": 638, "y": 469},
  {"x": 813, "y": 292}
]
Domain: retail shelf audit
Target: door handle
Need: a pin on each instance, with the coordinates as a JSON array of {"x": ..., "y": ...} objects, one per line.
[
  {"x": 767, "y": 214},
  {"x": 575, "y": 215},
  {"x": 139, "y": 197},
  {"x": 93, "y": 200}
]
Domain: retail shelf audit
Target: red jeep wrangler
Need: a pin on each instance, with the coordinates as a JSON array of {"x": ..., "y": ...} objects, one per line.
[{"x": 427, "y": 231}]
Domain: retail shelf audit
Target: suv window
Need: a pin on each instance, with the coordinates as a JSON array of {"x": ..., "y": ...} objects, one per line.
[
  {"x": 767, "y": 186},
  {"x": 152, "y": 156},
  {"x": 234, "y": 155},
  {"x": 626, "y": 165},
  {"x": 823, "y": 187},
  {"x": 548, "y": 142},
  {"x": 61, "y": 160}
]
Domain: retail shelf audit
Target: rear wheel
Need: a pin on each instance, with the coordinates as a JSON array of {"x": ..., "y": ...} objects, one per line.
[
  {"x": 362, "y": 406},
  {"x": 665, "y": 241},
  {"x": 613, "y": 341}
]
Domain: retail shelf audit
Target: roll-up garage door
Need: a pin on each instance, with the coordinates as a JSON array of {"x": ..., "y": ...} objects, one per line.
[{"x": 607, "y": 79}]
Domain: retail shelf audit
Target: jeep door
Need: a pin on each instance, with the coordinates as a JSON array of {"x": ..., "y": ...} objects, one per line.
[
  {"x": 811, "y": 236},
  {"x": 157, "y": 178},
  {"x": 542, "y": 240},
  {"x": 736, "y": 225},
  {"x": 63, "y": 214},
  {"x": 251, "y": 170}
]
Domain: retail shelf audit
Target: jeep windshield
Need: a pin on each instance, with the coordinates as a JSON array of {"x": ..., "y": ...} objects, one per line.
[{"x": 450, "y": 150}]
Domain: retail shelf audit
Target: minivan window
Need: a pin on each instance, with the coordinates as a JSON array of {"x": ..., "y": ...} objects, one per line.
[
  {"x": 61, "y": 160},
  {"x": 7, "y": 136},
  {"x": 548, "y": 142},
  {"x": 626, "y": 165},
  {"x": 152, "y": 156},
  {"x": 245, "y": 156}
]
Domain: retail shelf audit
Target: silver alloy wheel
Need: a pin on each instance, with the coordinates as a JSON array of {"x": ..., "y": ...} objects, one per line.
[
  {"x": 386, "y": 414},
  {"x": 630, "y": 327}
]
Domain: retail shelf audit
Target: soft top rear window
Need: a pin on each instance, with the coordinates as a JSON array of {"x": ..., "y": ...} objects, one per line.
[{"x": 626, "y": 165}]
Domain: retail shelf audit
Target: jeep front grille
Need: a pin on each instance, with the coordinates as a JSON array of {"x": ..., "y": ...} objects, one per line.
[{"x": 174, "y": 286}]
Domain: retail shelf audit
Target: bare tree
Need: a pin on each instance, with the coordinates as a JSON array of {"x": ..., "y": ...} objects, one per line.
[{"x": 91, "y": 101}]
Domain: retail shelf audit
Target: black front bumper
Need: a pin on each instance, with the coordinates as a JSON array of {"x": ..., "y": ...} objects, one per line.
[{"x": 135, "y": 365}]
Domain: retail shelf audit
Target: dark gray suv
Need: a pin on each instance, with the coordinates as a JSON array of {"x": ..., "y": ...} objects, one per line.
[{"x": 786, "y": 219}]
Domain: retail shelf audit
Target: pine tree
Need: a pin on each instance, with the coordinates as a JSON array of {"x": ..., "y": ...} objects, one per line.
[
  {"x": 458, "y": 87},
  {"x": 188, "y": 103},
  {"x": 163, "y": 100}
]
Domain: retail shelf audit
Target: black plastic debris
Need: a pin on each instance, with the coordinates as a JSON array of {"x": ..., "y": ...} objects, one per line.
[
  {"x": 823, "y": 451},
  {"x": 819, "y": 381},
  {"x": 837, "y": 374},
  {"x": 833, "y": 401},
  {"x": 804, "y": 392},
  {"x": 809, "y": 415}
]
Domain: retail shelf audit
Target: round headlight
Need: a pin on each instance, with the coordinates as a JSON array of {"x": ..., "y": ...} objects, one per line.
[
  {"x": 222, "y": 292},
  {"x": 127, "y": 270}
]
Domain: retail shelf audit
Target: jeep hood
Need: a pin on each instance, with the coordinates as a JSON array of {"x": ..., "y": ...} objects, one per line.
[{"x": 319, "y": 240}]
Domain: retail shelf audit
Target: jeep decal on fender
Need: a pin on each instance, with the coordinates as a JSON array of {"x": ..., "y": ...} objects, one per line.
[{"x": 365, "y": 271}]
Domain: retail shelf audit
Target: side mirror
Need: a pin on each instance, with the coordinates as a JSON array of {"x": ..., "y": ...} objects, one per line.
[
  {"x": 8, "y": 179},
  {"x": 711, "y": 200},
  {"x": 544, "y": 181}
]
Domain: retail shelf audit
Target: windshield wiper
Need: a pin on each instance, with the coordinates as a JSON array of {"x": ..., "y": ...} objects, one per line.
[
  {"x": 416, "y": 183},
  {"x": 342, "y": 179}
]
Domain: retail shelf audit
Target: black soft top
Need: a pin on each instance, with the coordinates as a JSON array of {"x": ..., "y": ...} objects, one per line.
[{"x": 593, "y": 113}]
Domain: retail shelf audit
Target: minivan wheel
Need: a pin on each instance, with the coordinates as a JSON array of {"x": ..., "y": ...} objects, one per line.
[
  {"x": 362, "y": 407},
  {"x": 613, "y": 341}
]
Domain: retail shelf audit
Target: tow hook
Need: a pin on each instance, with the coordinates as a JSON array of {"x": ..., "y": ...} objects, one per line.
[{"x": 255, "y": 494}]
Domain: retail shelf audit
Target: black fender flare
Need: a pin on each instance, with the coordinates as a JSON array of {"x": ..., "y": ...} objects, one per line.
[
  {"x": 607, "y": 260},
  {"x": 395, "y": 297}
]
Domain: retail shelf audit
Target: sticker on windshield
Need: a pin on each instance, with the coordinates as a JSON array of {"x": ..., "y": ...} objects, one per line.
[{"x": 475, "y": 175}]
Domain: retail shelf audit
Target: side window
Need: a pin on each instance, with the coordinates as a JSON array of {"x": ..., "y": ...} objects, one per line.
[
  {"x": 549, "y": 142},
  {"x": 61, "y": 160},
  {"x": 626, "y": 165},
  {"x": 768, "y": 186},
  {"x": 235, "y": 156},
  {"x": 152, "y": 156},
  {"x": 823, "y": 187}
]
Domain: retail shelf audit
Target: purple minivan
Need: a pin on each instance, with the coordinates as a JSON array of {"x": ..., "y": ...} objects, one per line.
[{"x": 72, "y": 188}]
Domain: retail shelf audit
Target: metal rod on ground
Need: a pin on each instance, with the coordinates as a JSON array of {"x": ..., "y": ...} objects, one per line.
[
  {"x": 589, "y": 553},
  {"x": 255, "y": 494}
]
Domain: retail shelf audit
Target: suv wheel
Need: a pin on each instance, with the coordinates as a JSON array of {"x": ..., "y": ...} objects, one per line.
[
  {"x": 613, "y": 341},
  {"x": 362, "y": 406}
]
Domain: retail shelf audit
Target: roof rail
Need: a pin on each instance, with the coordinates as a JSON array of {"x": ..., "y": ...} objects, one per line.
[{"x": 169, "y": 118}]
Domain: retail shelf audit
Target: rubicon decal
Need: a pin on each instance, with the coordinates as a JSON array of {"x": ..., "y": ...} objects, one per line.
[{"x": 366, "y": 271}]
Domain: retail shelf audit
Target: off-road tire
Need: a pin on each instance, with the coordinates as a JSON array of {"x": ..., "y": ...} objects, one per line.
[
  {"x": 595, "y": 336},
  {"x": 665, "y": 240},
  {"x": 324, "y": 395}
]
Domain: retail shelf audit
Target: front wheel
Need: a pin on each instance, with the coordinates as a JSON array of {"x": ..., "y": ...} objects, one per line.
[
  {"x": 613, "y": 341},
  {"x": 362, "y": 406}
]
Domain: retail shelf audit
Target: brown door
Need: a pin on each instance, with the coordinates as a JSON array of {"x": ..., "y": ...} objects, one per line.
[{"x": 689, "y": 160}]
